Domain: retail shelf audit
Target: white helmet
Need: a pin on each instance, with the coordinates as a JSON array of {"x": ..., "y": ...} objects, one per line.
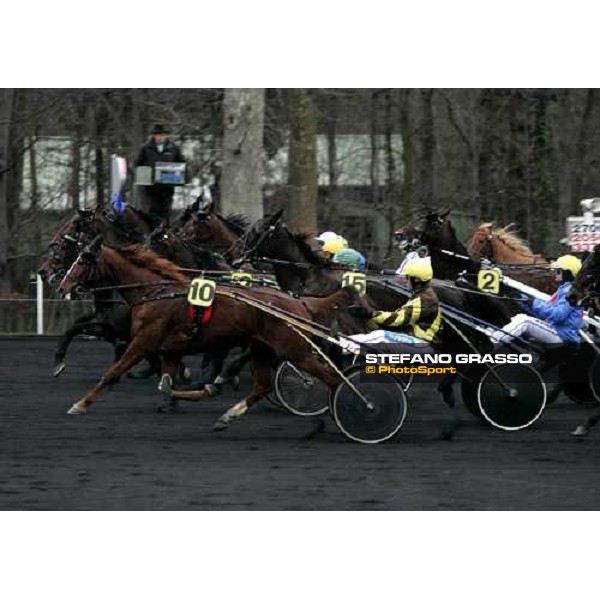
[{"x": 327, "y": 236}]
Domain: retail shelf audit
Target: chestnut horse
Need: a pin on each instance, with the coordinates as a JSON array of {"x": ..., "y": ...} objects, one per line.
[
  {"x": 502, "y": 245},
  {"x": 159, "y": 320},
  {"x": 111, "y": 317}
]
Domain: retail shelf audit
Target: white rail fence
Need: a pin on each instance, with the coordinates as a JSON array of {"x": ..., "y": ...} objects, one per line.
[{"x": 39, "y": 315}]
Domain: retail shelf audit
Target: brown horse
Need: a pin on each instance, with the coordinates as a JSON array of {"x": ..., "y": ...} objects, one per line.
[
  {"x": 202, "y": 225},
  {"x": 159, "y": 320},
  {"x": 502, "y": 245}
]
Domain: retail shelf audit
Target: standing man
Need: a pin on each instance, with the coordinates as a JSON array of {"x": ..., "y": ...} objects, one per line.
[{"x": 157, "y": 198}]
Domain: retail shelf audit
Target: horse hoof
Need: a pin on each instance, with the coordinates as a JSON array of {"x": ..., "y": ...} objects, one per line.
[
  {"x": 580, "y": 431},
  {"x": 76, "y": 410},
  {"x": 165, "y": 385},
  {"x": 59, "y": 368},
  {"x": 212, "y": 389},
  {"x": 221, "y": 424}
]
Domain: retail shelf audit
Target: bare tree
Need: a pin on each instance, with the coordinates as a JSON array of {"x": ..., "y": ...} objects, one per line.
[
  {"x": 302, "y": 206},
  {"x": 242, "y": 172},
  {"x": 6, "y": 108}
]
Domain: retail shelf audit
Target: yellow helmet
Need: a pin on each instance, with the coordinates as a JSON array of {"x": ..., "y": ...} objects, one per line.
[
  {"x": 335, "y": 245},
  {"x": 419, "y": 268},
  {"x": 568, "y": 262}
]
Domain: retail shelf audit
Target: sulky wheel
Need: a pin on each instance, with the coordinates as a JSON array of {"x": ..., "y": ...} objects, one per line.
[
  {"x": 377, "y": 419},
  {"x": 514, "y": 402},
  {"x": 299, "y": 392}
]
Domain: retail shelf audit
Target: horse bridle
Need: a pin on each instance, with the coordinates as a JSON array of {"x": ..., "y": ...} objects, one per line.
[
  {"x": 249, "y": 254},
  {"x": 89, "y": 262}
]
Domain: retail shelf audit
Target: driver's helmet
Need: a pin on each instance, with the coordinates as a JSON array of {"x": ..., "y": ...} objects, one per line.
[
  {"x": 327, "y": 236},
  {"x": 567, "y": 262},
  {"x": 419, "y": 268},
  {"x": 334, "y": 245},
  {"x": 350, "y": 257}
]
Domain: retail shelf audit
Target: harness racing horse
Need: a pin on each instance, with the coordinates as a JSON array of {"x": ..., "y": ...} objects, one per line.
[
  {"x": 110, "y": 318},
  {"x": 159, "y": 320},
  {"x": 504, "y": 247},
  {"x": 202, "y": 225},
  {"x": 298, "y": 263}
]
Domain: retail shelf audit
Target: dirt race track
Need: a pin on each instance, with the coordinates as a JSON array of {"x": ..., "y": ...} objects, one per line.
[{"x": 124, "y": 455}]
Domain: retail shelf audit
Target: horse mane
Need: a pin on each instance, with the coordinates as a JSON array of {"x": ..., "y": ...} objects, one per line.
[
  {"x": 508, "y": 236},
  {"x": 142, "y": 256}
]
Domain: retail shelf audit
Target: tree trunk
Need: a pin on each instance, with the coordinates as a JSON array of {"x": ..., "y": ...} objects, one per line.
[
  {"x": 35, "y": 200},
  {"x": 6, "y": 106},
  {"x": 427, "y": 162},
  {"x": 74, "y": 177},
  {"x": 302, "y": 207},
  {"x": 242, "y": 173},
  {"x": 391, "y": 186},
  {"x": 407, "y": 193}
]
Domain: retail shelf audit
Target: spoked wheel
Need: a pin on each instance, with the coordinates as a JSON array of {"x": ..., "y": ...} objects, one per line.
[
  {"x": 377, "y": 415},
  {"x": 299, "y": 392},
  {"x": 511, "y": 397}
]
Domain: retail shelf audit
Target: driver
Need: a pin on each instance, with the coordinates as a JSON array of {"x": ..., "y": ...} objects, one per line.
[
  {"x": 419, "y": 319},
  {"x": 556, "y": 321}
]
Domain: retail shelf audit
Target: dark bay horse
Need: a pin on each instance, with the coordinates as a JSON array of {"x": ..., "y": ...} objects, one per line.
[
  {"x": 299, "y": 265},
  {"x": 110, "y": 319},
  {"x": 159, "y": 320}
]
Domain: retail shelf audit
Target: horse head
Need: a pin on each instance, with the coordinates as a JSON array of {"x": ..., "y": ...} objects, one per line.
[
  {"x": 82, "y": 272},
  {"x": 431, "y": 228},
  {"x": 260, "y": 238},
  {"x": 480, "y": 245},
  {"x": 65, "y": 244}
]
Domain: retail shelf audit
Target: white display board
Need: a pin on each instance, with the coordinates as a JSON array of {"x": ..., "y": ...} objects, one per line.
[{"x": 583, "y": 233}]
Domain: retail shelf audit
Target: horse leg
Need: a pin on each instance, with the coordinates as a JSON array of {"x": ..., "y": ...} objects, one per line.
[
  {"x": 229, "y": 373},
  {"x": 79, "y": 327},
  {"x": 584, "y": 428},
  {"x": 171, "y": 366},
  {"x": 446, "y": 387},
  {"x": 135, "y": 352},
  {"x": 261, "y": 370}
]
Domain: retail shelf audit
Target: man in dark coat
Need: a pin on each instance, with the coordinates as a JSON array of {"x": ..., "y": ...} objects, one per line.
[{"x": 157, "y": 199}]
